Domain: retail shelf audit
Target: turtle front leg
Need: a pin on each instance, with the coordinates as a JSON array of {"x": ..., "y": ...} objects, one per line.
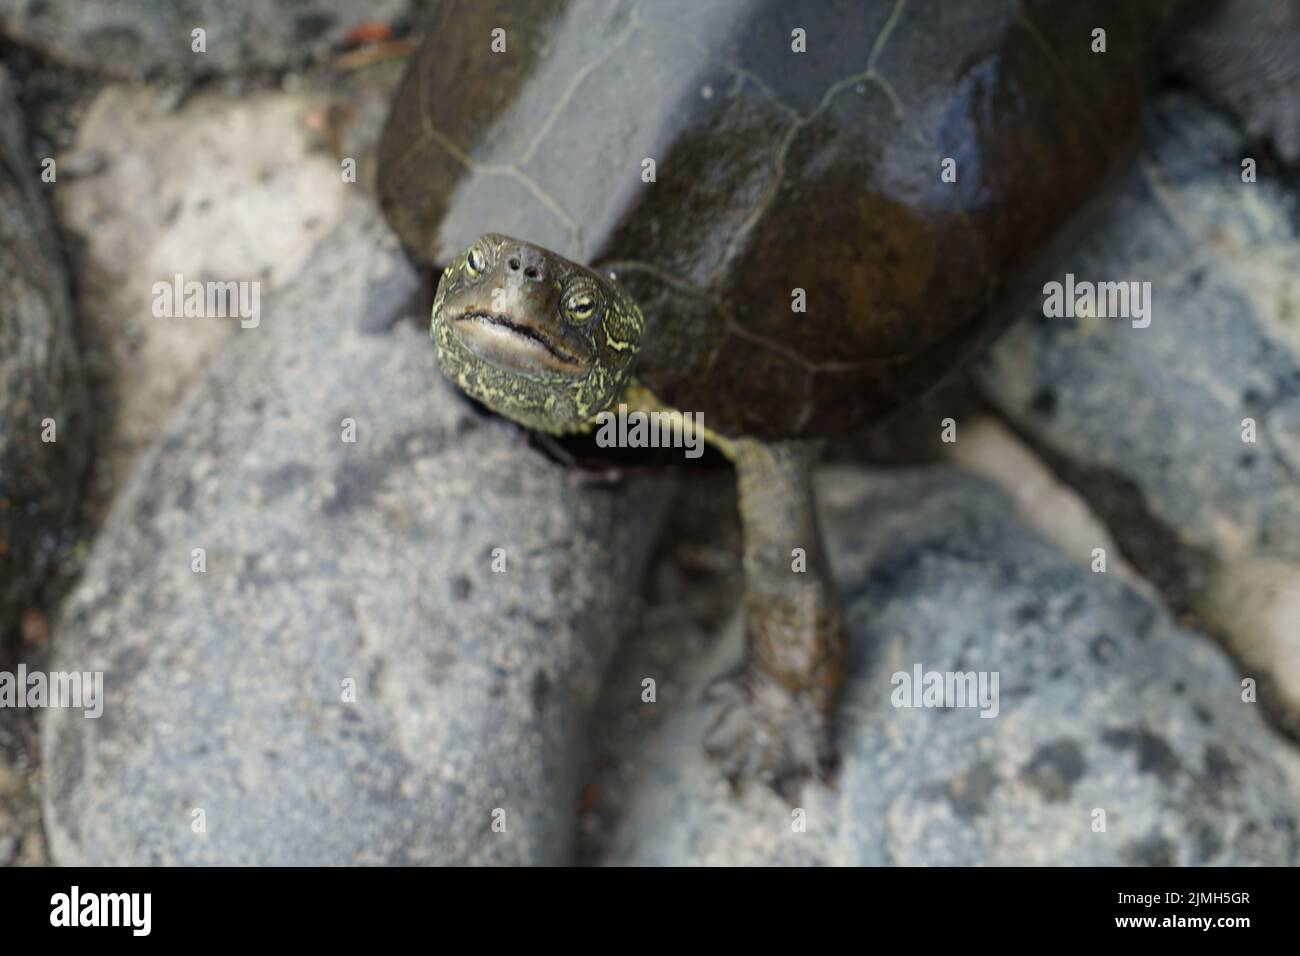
[{"x": 775, "y": 720}]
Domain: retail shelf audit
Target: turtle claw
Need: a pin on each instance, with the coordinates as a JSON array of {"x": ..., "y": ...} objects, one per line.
[{"x": 767, "y": 734}]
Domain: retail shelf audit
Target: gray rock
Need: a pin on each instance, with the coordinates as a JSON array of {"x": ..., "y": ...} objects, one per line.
[
  {"x": 40, "y": 378},
  {"x": 22, "y": 842},
  {"x": 219, "y": 187},
  {"x": 1103, "y": 705},
  {"x": 1149, "y": 422},
  {"x": 133, "y": 38},
  {"x": 328, "y": 562},
  {"x": 1246, "y": 56},
  {"x": 1160, "y": 410}
]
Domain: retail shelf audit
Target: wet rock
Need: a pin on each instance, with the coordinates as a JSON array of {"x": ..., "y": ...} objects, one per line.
[
  {"x": 133, "y": 38},
  {"x": 1105, "y": 710},
  {"x": 1184, "y": 435},
  {"x": 349, "y": 680},
  {"x": 44, "y": 445}
]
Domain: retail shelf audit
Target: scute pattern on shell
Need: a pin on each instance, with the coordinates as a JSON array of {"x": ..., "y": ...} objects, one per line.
[{"x": 774, "y": 171}]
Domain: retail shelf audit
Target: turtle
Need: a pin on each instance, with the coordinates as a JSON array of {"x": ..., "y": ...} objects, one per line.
[{"x": 783, "y": 219}]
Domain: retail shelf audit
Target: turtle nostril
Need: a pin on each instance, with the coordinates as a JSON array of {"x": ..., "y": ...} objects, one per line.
[
  {"x": 514, "y": 264},
  {"x": 532, "y": 272}
]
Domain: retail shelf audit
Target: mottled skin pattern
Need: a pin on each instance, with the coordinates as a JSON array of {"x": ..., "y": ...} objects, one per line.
[
  {"x": 775, "y": 171},
  {"x": 537, "y": 338},
  {"x": 551, "y": 344},
  {"x": 775, "y": 715}
]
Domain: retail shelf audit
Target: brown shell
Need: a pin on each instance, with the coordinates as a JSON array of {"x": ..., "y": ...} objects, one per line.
[{"x": 774, "y": 171}]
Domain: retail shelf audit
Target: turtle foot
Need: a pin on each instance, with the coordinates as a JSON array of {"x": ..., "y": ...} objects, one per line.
[{"x": 767, "y": 733}]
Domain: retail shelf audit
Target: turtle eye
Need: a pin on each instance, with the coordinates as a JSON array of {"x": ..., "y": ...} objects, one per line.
[
  {"x": 475, "y": 261},
  {"x": 580, "y": 305}
]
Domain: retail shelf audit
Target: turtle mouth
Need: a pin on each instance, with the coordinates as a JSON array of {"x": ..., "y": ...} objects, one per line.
[{"x": 515, "y": 345}]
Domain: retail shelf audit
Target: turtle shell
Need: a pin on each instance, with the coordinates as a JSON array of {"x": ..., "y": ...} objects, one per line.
[{"x": 766, "y": 177}]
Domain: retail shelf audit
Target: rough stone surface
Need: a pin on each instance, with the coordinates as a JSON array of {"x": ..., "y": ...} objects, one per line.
[
  {"x": 133, "y": 38},
  {"x": 22, "y": 842},
  {"x": 1246, "y": 56},
  {"x": 327, "y": 562},
  {"x": 1149, "y": 422},
  {"x": 1103, "y": 704},
  {"x": 219, "y": 188},
  {"x": 1255, "y": 603},
  {"x": 40, "y": 379},
  {"x": 987, "y": 448},
  {"x": 1162, "y": 407}
]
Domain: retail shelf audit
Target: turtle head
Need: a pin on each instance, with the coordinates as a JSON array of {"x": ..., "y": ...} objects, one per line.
[{"x": 533, "y": 336}]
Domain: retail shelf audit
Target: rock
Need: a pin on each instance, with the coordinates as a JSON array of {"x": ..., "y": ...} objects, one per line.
[
  {"x": 987, "y": 448},
  {"x": 135, "y": 38},
  {"x": 1102, "y": 704},
  {"x": 218, "y": 188},
  {"x": 1161, "y": 409},
  {"x": 1246, "y": 56},
  {"x": 1256, "y": 603},
  {"x": 41, "y": 389},
  {"x": 22, "y": 842},
  {"x": 333, "y": 569},
  {"x": 1184, "y": 435}
]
